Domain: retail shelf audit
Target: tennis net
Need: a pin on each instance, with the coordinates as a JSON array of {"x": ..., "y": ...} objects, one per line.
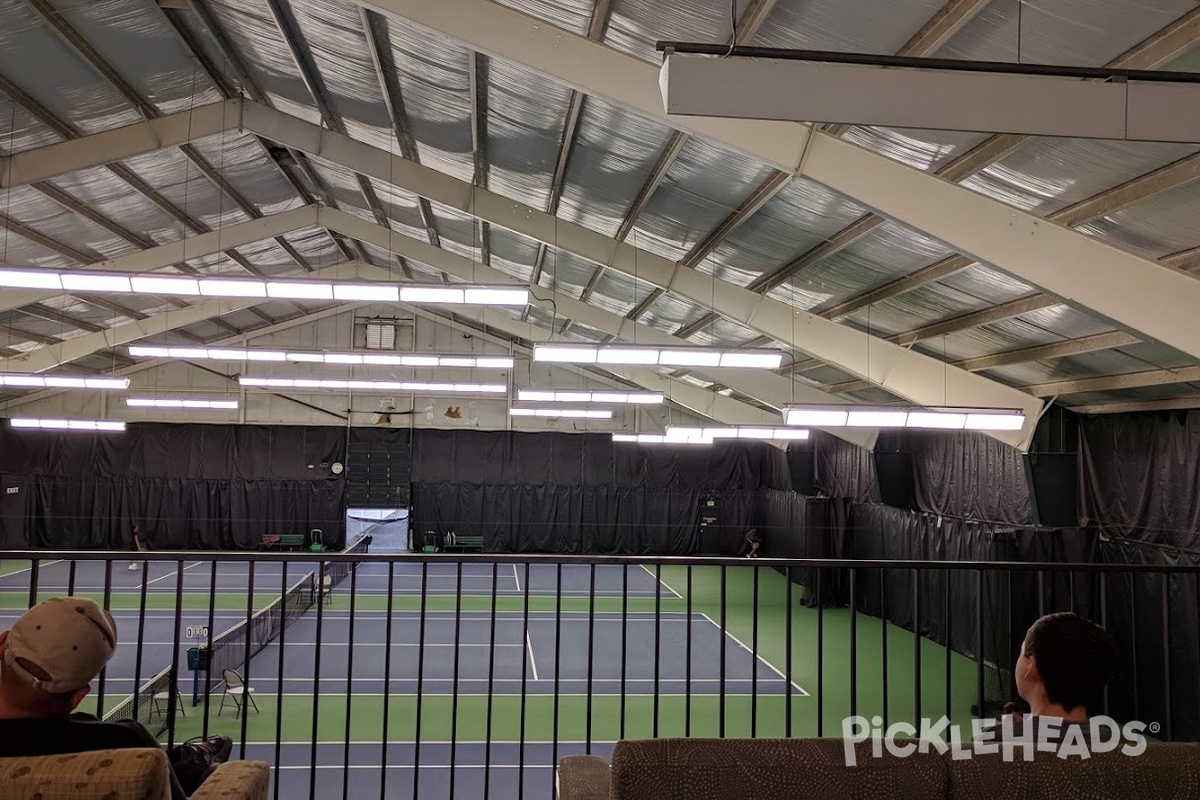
[{"x": 152, "y": 705}]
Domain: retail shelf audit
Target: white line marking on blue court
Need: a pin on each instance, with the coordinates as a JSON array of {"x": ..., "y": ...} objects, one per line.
[
  {"x": 516, "y": 577},
  {"x": 661, "y": 582},
  {"x": 756, "y": 656},
  {"x": 529, "y": 647},
  {"x": 169, "y": 574}
]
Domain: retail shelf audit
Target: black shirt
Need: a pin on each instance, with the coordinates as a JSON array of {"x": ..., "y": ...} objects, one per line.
[{"x": 76, "y": 733}]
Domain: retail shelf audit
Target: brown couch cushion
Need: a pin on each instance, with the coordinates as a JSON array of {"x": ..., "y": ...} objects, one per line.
[
  {"x": 131, "y": 774},
  {"x": 768, "y": 769},
  {"x": 1163, "y": 772}
]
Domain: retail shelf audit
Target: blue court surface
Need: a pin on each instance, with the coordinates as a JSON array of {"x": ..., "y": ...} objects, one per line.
[{"x": 660, "y": 652}]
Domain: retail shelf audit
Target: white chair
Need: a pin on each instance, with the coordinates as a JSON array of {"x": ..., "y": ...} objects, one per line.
[
  {"x": 162, "y": 701},
  {"x": 327, "y": 589},
  {"x": 237, "y": 689}
]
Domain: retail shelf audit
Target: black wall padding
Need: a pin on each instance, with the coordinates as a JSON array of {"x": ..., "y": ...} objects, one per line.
[
  {"x": 572, "y": 459},
  {"x": 1140, "y": 476},
  {"x": 583, "y": 493},
  {"x": 194, "y": 486},
  {"x": 843, "y": 469},
  {"x": 964, "y": 474},
  {"x": 1145, "y": 612}
]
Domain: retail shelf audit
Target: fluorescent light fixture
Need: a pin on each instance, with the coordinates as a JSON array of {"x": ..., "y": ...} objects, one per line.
[
  {"x": 654, "y": 438},
  {"x": 877, "y": 419},
  {"x": 927, "y": 418},
  {"x": 662, "y": 356},
  {"x": 619, "y": 398},
  {"x": 39, "y": 381},
  {"x": 214, "y": 287},
  {"x": 30, "y": 279},
  {"x": 569, "y": 354},
  {"x": 992, "y": 421},
  {"x": 98, "y": 425},
  {"x": 368, "y": 292},
  {"x": 497, "y": 297},
  {"x": 566, "y": 413},
  {"x": 299, "y": 290},
  {"x": 769, "y": 359},
  {"x": 170, "y": 402},
  {"x": 949, "y": 421},
  {"x": 626, "y": 355},
  {"x": 690, "y": 358},
  {"x": 738, "y": 432},
  {"x": 430, "y": 294},
  {"x": 373, "y": 386},
  {"x": 150, "y": 284},
  {"x": 315, "y": 357},
  {"x": 816, "y": 417},
  {"x": 73, "y": 282}
]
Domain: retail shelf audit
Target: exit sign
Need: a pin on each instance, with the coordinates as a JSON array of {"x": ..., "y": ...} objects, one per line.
[{"x": 13, "y": 490}]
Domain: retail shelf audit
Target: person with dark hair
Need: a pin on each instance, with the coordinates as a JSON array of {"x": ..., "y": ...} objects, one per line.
[
  {"x": 1064, "y": 664},
  {"x": 47, "y": 663}
]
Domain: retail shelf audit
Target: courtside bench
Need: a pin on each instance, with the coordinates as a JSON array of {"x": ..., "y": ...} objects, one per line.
[
  {"x": 282, "y": 541},
  {"x": 464, "y": 544}
]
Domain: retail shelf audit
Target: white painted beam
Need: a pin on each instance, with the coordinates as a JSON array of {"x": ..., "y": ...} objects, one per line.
[
  {"x": 898, "y": 97},
  {"x": 1108, "y": 383},
  {"x": 198, "y": 246},
  {"x": 44, "y": 358},
  {"x": 578, "y": 62},
  {"x": 914, "y": 376},
  {"x": 98, "y": 149},
  {"x": 767, "y": 387},
  {"x": 1076, "y": 268},
  {"x": 1033, "y": 250}
]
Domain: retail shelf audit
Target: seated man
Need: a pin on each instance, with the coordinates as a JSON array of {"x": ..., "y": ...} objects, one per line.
[
  {"x": 47, "y": 663},
  {"x": 1065, "y": 663}
]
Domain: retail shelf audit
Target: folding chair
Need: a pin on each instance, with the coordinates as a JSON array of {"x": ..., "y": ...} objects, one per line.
[
  {"x": 327, "y": 589},
  {"x": 162, "y": 701},
  {"x": 236, "y": 688}
]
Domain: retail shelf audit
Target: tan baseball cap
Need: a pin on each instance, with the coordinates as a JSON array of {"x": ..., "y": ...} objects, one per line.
[{"x": 60, "y": 645}]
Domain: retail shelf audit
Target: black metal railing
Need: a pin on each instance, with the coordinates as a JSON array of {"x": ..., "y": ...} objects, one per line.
[{"x": 437, "y": 676}]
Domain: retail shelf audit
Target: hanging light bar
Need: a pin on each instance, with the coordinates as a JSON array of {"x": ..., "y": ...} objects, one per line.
[
  {"x": 956, "y": 419},
  {"x": 321, "y": 384},
  {"x": 101, "y": 425},
  {"x": 654, "y": 438},
  {"x": 18, "y": 380},
  {"x": 169, "y": 402},
  {"x": 561, "y": 396},
  {"x": 658, "y": 356},
  {"x": 365, "y": 359},
  {"x": 737, "y": 432},
  {"x": 568, "y": 413},
  {"x": 376, "y": 292}
]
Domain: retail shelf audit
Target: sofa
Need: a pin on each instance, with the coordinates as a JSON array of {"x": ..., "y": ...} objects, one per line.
[
  {"x": 129, "y": 774},
  {"x": 817, "y": 769}
]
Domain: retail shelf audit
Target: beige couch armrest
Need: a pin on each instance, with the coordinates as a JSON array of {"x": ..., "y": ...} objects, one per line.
[
  {"x": 583, "y": 778},
  {"x": 244, "y": 780}
]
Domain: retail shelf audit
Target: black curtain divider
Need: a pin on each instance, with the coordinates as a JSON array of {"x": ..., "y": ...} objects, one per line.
[
  {"x": 574, "y": 459},
  {"x": 843, "y": 469},
  {"x": 1140, "y": 476},
  {"x": 186, "y": 485}
]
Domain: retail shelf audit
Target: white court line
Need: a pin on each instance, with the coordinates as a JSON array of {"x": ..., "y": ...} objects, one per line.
[
  {"x": 756, "y": 656},
  {"x": 168, "y": 575},
  {"x": 516, "y": 577},
  {"x": 529, "y": 646},
  {"x": 41, "y": 566},
  {"x": 660, "y": 582}
]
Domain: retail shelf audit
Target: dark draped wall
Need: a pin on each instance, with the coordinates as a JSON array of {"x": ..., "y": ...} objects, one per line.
[
  {"x": 1139, "y": 476},
  {"x": 584, "y": 493},
  {"x": 193, "y": 486}
]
